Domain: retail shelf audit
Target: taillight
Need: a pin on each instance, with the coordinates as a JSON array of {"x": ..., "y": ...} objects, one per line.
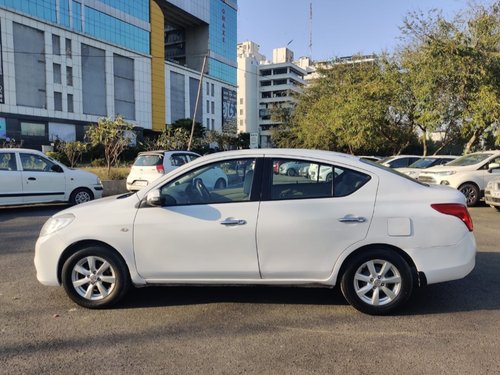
[
  {"x": 160, "y": 169},
  {"x": 457, "y": 210}
]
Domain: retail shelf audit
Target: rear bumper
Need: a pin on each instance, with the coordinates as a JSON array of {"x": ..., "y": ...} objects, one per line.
[
  {"x": 446, "y": 263},
  {"x": 490, "y": 199}
]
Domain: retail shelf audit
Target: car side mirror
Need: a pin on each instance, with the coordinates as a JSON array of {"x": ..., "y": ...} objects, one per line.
[
  {"x": 493, "y": 166},
  {"x": 56, "y": 168},
  {"x": 154, "y": 198}
]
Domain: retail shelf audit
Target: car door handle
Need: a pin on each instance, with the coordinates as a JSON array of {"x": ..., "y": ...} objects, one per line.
[
  {"x": 352, "y": 219},
  {"x": 31, "y": 179},
  {"x": 231, "y": 222}
]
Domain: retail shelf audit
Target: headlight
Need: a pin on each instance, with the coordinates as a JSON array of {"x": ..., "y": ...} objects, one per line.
[
  {"x": 56, "y": 223},
  {"x": 490, "y": 185}
]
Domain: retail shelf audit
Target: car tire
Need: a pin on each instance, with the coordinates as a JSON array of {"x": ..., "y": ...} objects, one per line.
[
  {"x": 95, "y": 277},
  {"x": 220, "y": 184},
  {"x": 80, "y": 195},
  {"x": 291, "y": 172},
  {"x": 471, "y": 192},
  {"x": 377, "y": 281}
]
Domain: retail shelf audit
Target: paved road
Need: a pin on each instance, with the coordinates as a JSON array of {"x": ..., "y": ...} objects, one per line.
[{"x": 450, "y": 328}]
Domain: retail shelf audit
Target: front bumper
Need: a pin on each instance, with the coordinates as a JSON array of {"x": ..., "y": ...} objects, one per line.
[
  {"x": 492, "y": 198},
  {"x": 48, "y": 250}
]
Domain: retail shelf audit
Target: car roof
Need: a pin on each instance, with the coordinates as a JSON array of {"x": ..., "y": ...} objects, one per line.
[
  {"x": 21, "y": 150},
  {"x": 163, "y": 152}
]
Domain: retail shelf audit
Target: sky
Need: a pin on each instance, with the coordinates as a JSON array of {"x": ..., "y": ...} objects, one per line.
[{"x": 339, "y": 27}]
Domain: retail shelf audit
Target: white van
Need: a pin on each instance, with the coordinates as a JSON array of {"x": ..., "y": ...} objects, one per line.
[{"x": 29, "y": 176}]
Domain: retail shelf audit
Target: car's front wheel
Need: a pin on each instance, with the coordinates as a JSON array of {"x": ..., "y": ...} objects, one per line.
[
  {"x": 95, "y": 277},
  {"x": 377, "y": 282},
  {"x": 81, "y": 195}
]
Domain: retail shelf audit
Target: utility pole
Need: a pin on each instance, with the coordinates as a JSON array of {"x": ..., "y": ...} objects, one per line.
[
  {"x": 310, "y": 30},
  {"x": 202, "y": 73}
]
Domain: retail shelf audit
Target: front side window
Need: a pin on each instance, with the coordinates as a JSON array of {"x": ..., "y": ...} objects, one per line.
[
  {"x": 222, "y": 182},
  {"x": 299, "y": 179},
  {"x": 8, "y": 161},
  {"x": 35, "y": 163}
]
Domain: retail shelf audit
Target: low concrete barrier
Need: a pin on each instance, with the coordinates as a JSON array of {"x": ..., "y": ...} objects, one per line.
[{"x": 113, "y": 187}]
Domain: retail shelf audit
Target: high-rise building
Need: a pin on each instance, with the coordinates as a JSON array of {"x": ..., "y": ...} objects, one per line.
[
  {"x": 264, "y": 87},
  {"x": 65, "y": 63}
]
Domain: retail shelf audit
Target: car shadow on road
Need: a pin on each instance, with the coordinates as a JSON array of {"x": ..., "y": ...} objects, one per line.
[{"x": 478, "y": 291}]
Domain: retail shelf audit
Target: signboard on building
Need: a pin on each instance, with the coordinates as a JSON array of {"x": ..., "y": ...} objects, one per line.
[
  {"x": 3, "y": 129},
  {"x": 2, "y": 91},
  {"x": 228, "y": 111},
  {"x": 254, "y": 140}
]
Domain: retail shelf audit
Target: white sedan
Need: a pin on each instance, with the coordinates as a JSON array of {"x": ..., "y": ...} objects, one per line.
[{"x": 375, "y": 233}]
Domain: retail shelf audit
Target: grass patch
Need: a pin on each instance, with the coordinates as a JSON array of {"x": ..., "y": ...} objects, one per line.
[{"x": 116, "y": 173}]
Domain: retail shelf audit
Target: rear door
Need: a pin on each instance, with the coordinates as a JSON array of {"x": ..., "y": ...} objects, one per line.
[
  {"x": 305, "y": 224},
  {"x": 11, "y": 186},
  {"x": 40, "y": 182}
]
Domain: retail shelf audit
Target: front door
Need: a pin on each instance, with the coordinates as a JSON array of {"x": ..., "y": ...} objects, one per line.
[
  {"x": 40, "y": 182},
  {"x": 197, "y": 234}
]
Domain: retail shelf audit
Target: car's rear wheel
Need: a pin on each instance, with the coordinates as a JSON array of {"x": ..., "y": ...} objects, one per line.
[
  {"x": 377, "y": 282},
  {"x": 291, "y": 172},
  {"x": 220, "y": 184},
  {"x": 95, "y": 277},
  {"x": 81, "y": 195},
  {"x": 471, "y": 192}
]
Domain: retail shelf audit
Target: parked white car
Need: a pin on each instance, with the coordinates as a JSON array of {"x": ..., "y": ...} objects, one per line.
[
  {"x": 150, "y": 165},
  {"x": 470, "y": 174},
  {"x": 269, "y": 229},
  {"x": 29, "y": 176},
  {"x": 492, "y": 193},
  {"x": 399, "y": 161},
  {"x": 414, "y": 170}
]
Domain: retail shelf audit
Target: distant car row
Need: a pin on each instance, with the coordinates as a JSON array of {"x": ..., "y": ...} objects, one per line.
[{"x": 29, "y": 176}]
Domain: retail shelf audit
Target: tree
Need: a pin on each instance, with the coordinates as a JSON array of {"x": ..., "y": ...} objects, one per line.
[
  {"x": 168, "y": 139},
  {"x": 72, "y": 150},
  {"x": 111, "y": 135}
]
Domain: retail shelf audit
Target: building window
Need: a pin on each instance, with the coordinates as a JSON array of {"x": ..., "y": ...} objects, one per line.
[
  {"x": 57, "y": 73},
  {"x": 29, "y": 65},
  {"x": 70, "y": 103},
  {"x": 208, "y": 88},
  {"x": 32, "y": 129},
  {"x": 208, "y": 123},
  {"x": 69, "y": 76},
  {"x": 213, "y": 90},
  {"x": 213, "y": 108},
  {"x": 208, "y": 106},
  {"x": 241, "y": 112},
  {"x": 56, "y": 45},
  {"x": 57, "y": 101},
  {"x": 241, "y": 100},
  {"x": 213, "y": 124},
  {"x": 69, "y": 49},
  {"x": 124, "y": 86}
]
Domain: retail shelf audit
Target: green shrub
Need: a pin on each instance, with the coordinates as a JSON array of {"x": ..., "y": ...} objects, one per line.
[{"x": 100, "y": 162}]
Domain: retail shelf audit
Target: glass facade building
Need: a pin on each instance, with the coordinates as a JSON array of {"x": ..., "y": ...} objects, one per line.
[
  {"x": 124, "y": 23},
  {"x": 222, "y": 40}
]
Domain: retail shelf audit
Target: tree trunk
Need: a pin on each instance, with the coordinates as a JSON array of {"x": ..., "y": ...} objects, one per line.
[
  {"x": 424, "y": 144},
  {"x": 471, "y": 142}
]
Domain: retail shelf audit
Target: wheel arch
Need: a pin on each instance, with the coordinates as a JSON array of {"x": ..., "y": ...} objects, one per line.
[
  {"x": 73, "y": 248},
  {"x": 419, "y": 277}
]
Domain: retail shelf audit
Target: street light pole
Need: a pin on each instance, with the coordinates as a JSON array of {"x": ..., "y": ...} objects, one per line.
[{"x": 197, "y": 101}]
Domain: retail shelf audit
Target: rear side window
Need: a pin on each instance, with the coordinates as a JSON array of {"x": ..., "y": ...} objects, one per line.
[
  {"x": 148, "y": 160},
  {"x": 298, "y": 179},
  {"x": 8, "y": 161}
]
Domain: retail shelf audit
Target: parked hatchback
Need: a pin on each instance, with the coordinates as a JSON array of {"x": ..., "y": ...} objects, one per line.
[
  {"x": 150, "y": 165},
  {"x": 414, "y": 170},
  {"x": 372, "y": 231},
  {"x": 29, "y": 176}
]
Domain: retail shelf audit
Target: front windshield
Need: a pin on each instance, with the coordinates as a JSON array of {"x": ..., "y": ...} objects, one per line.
[
  {"x": 422, "y": 163},
  {"x": 469, "y": 160}
]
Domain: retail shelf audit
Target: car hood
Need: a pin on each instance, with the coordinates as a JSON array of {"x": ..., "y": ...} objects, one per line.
[
  {"x": 100, "y": 206},
  {"x": 447, "y": 168}
]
